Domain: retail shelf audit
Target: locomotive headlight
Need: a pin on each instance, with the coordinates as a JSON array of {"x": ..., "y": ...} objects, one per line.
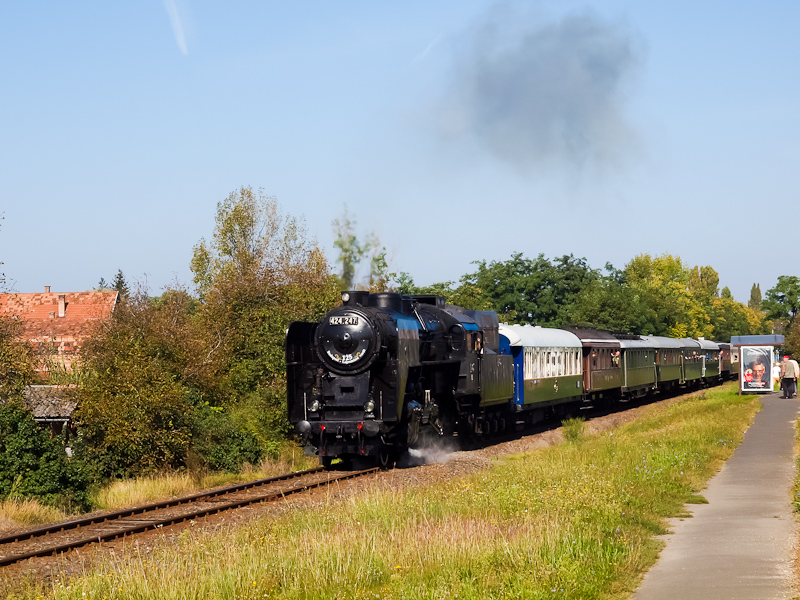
[
  {"x": 345, "y": 297},
  {"x": 314, "y": 406},
  {"x": 369, "y": 406}
]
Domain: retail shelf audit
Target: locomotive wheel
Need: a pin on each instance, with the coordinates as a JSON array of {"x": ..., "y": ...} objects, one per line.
[{"x": 386, "y": 458}]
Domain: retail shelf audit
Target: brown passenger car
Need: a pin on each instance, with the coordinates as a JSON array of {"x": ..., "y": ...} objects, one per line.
[{"x": 602, "y": 368}]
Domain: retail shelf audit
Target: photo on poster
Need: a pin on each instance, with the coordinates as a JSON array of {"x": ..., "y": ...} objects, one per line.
[{"x": 756, "y": 368}]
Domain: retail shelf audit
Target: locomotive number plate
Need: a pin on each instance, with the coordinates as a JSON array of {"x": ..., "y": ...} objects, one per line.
[{"x": 343, "y": 320}]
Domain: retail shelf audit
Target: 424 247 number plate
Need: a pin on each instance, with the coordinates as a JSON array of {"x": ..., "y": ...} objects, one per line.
[{"x": 343, "y": 320}]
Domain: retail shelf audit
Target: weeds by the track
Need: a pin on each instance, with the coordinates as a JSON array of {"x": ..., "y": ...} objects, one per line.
[
  {"x": 16, "y": 513},
  {"x": 142, "y": 490},
  {"x": 573, "y": 521}
]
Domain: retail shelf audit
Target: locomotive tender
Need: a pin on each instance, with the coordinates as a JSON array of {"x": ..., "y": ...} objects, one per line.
[{"x": 384, "y": 372}]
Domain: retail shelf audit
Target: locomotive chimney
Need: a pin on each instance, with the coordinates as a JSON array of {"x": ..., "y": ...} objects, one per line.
[{"x": 62, "y": 305}]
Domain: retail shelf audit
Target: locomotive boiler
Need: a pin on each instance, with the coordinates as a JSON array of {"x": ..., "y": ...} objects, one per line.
[{"x": 384, "y": 372}]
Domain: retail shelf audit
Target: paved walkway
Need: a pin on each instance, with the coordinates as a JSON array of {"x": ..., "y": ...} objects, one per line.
[{"x": 739, "y": 545}]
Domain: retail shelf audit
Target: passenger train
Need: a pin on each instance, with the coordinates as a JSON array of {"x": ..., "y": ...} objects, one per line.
[{"x": 384, "y": 373}]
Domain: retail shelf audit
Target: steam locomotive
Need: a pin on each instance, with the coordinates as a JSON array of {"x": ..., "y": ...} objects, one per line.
[{"x": 385, "y": 372}]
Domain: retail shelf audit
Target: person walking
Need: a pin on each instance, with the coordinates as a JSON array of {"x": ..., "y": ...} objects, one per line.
[
  {"x": 789, "y": 372},
  {"x": 796, "y": 375}
]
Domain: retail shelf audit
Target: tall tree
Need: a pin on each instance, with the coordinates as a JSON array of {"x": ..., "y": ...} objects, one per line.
[
  {"x": 703, "y": 284},
  {"x": 259, "y": 273},
  {"x": 534, "y": 291},
  {"x": 17, "y": 361},
  {"x": 755, "y": 297},
  {"x": 783, "y": 300},
  {"x": 662, "y": 284},
  {"x": 350, "y": 250},
  {"x": 120, "y": 285},
  {"x": 609, "y": 303}
]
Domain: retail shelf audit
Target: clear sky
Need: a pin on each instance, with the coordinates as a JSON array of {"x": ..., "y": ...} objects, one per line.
[{"x": 455, "y": 130}]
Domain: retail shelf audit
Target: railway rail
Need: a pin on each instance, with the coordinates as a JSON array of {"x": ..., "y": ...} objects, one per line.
[{"x": 62, "y": 537}]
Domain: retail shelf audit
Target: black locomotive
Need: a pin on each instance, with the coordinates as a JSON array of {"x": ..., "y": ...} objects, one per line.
[{"x": 385, "y": 372}]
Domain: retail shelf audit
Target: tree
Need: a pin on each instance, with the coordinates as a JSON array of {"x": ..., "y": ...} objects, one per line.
[
  {"x": 119, "y": 284},
  {"x": 755, "y": 297},
  {"x": 145, "y": 372},
  {"x": 669, "y": 308},
  {"x": 783, "y": 300},
  {"x": 608, "y": 303},
  {"x": 703, "y": 284},
  {"x": 17, "y": 360},
  {"x": 102, "y": 285},
  {"x": 467, "y": 294},
  {"x": 534, "y": 291},
  {"x": 726, "y": 293},
  {"x": 350, "y": 251},
  {"x": 257, "y": 275}
]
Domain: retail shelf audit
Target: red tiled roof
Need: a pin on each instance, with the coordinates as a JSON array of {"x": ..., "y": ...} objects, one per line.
[{"x": 38, "y": 313}]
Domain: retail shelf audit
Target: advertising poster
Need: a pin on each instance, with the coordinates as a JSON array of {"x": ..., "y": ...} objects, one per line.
[{"x": 756, "y": 368}]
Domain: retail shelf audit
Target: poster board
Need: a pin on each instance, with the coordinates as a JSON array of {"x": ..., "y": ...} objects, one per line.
[{"x": 755, "y": 371}]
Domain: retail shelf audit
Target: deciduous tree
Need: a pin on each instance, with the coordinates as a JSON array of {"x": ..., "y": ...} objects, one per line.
[
  {"x": 783, "y": 300},
  {"x": 534, "y": 291},
  {"x": 259, "y": 273}
]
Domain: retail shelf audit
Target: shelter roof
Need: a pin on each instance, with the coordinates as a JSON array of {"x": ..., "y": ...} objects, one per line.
[{"x": 48, "y": 402}]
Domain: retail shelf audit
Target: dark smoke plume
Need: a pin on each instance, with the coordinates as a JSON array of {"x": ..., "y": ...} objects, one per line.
[{"x": 534, "y": 92}]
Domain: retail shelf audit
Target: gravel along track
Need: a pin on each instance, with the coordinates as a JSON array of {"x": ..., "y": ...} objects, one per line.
[{"x": 61, "y": 537}]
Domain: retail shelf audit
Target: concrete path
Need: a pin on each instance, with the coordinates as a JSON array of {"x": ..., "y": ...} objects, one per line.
[{"x": 739, "y": 545}]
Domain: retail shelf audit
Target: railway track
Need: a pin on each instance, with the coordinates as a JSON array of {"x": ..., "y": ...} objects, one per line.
[{"x": 62, "y": 537}]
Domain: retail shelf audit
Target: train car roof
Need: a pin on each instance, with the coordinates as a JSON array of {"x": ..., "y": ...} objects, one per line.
[
  {"x": 637, "y": 344},
  {"x": 595, "y": 337},
  {"x": 690, "y": 343},
  {"x": 659, "y": 341},
  {"x": 529, "y": 336},
  {"x": 707, "y": 344}
]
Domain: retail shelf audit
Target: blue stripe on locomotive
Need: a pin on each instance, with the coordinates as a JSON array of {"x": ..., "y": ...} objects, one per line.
[
  {"x": 404, "y": 322},
  {"x": 519, "y": 381}
]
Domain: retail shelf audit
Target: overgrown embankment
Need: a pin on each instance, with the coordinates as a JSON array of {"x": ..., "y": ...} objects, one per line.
[{"x": 575, "y": 520}]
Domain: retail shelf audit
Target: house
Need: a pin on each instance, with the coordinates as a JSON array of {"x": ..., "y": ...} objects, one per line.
[{"x": 57, "y": 324}]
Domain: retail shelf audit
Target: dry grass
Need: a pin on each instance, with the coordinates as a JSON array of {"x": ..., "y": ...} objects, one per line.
[
  {"x": 20, "y": 514},
  {"x": 143, "y": 490}
]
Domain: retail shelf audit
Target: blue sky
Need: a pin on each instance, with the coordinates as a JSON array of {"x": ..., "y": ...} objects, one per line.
[{"x": 454, "y": 130}]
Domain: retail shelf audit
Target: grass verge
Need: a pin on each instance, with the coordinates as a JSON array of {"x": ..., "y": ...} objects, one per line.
[
  {"x": 572, "y": 521},
  {"x": 16, "y": 515},
  {"x": 142, "y": 490}
]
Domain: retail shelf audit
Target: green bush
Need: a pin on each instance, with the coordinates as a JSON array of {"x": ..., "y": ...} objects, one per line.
[
  {"x": 223, "y": 441},
  {"x": 34, "y": 465}
]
